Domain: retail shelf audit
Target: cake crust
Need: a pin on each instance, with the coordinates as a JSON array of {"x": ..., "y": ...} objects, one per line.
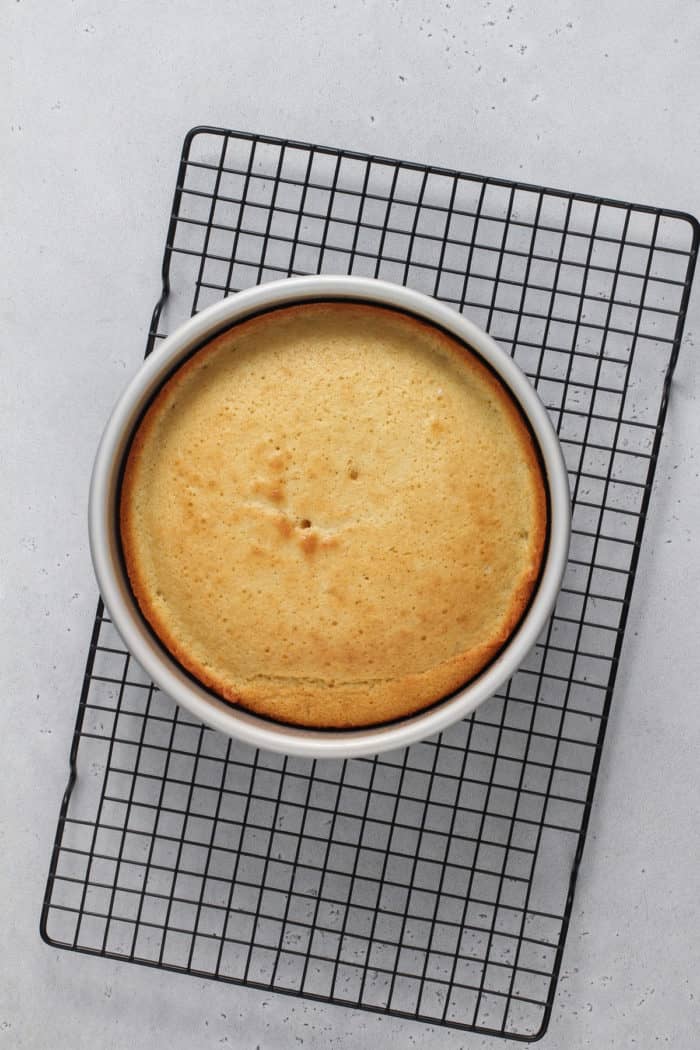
[{"x": 333, "y": 515}]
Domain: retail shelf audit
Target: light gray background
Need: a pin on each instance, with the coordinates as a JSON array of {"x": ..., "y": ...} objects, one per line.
[{"x": 100, "y": 96}]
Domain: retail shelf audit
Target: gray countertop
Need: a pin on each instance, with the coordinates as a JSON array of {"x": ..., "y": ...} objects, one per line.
[{"x": 100, "y": 96}]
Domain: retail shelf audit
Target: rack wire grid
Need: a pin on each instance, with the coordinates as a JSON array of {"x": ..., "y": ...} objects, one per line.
[{"x": 436, "y": 882}]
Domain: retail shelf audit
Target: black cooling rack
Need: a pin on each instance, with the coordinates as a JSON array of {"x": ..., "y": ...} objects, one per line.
[{"x": 436, "y": 882}]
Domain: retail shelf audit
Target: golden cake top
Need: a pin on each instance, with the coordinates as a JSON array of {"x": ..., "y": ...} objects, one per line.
[{"x": 333, "y": 514}]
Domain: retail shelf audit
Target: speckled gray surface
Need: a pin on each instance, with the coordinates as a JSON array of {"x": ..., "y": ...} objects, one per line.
[{"x": 99, "y": 98}]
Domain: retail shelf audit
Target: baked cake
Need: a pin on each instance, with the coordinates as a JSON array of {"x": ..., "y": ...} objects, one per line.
[{"x": 333, "y": 515}]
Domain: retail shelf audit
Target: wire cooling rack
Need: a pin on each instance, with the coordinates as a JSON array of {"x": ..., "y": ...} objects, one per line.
[{"x": 436, "y": 882}]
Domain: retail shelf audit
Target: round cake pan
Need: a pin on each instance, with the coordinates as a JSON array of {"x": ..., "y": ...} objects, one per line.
[{"x": 113, "y": 583}]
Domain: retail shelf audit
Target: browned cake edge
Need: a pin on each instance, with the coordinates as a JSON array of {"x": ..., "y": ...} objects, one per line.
[{"x": 336, "y": 705}]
